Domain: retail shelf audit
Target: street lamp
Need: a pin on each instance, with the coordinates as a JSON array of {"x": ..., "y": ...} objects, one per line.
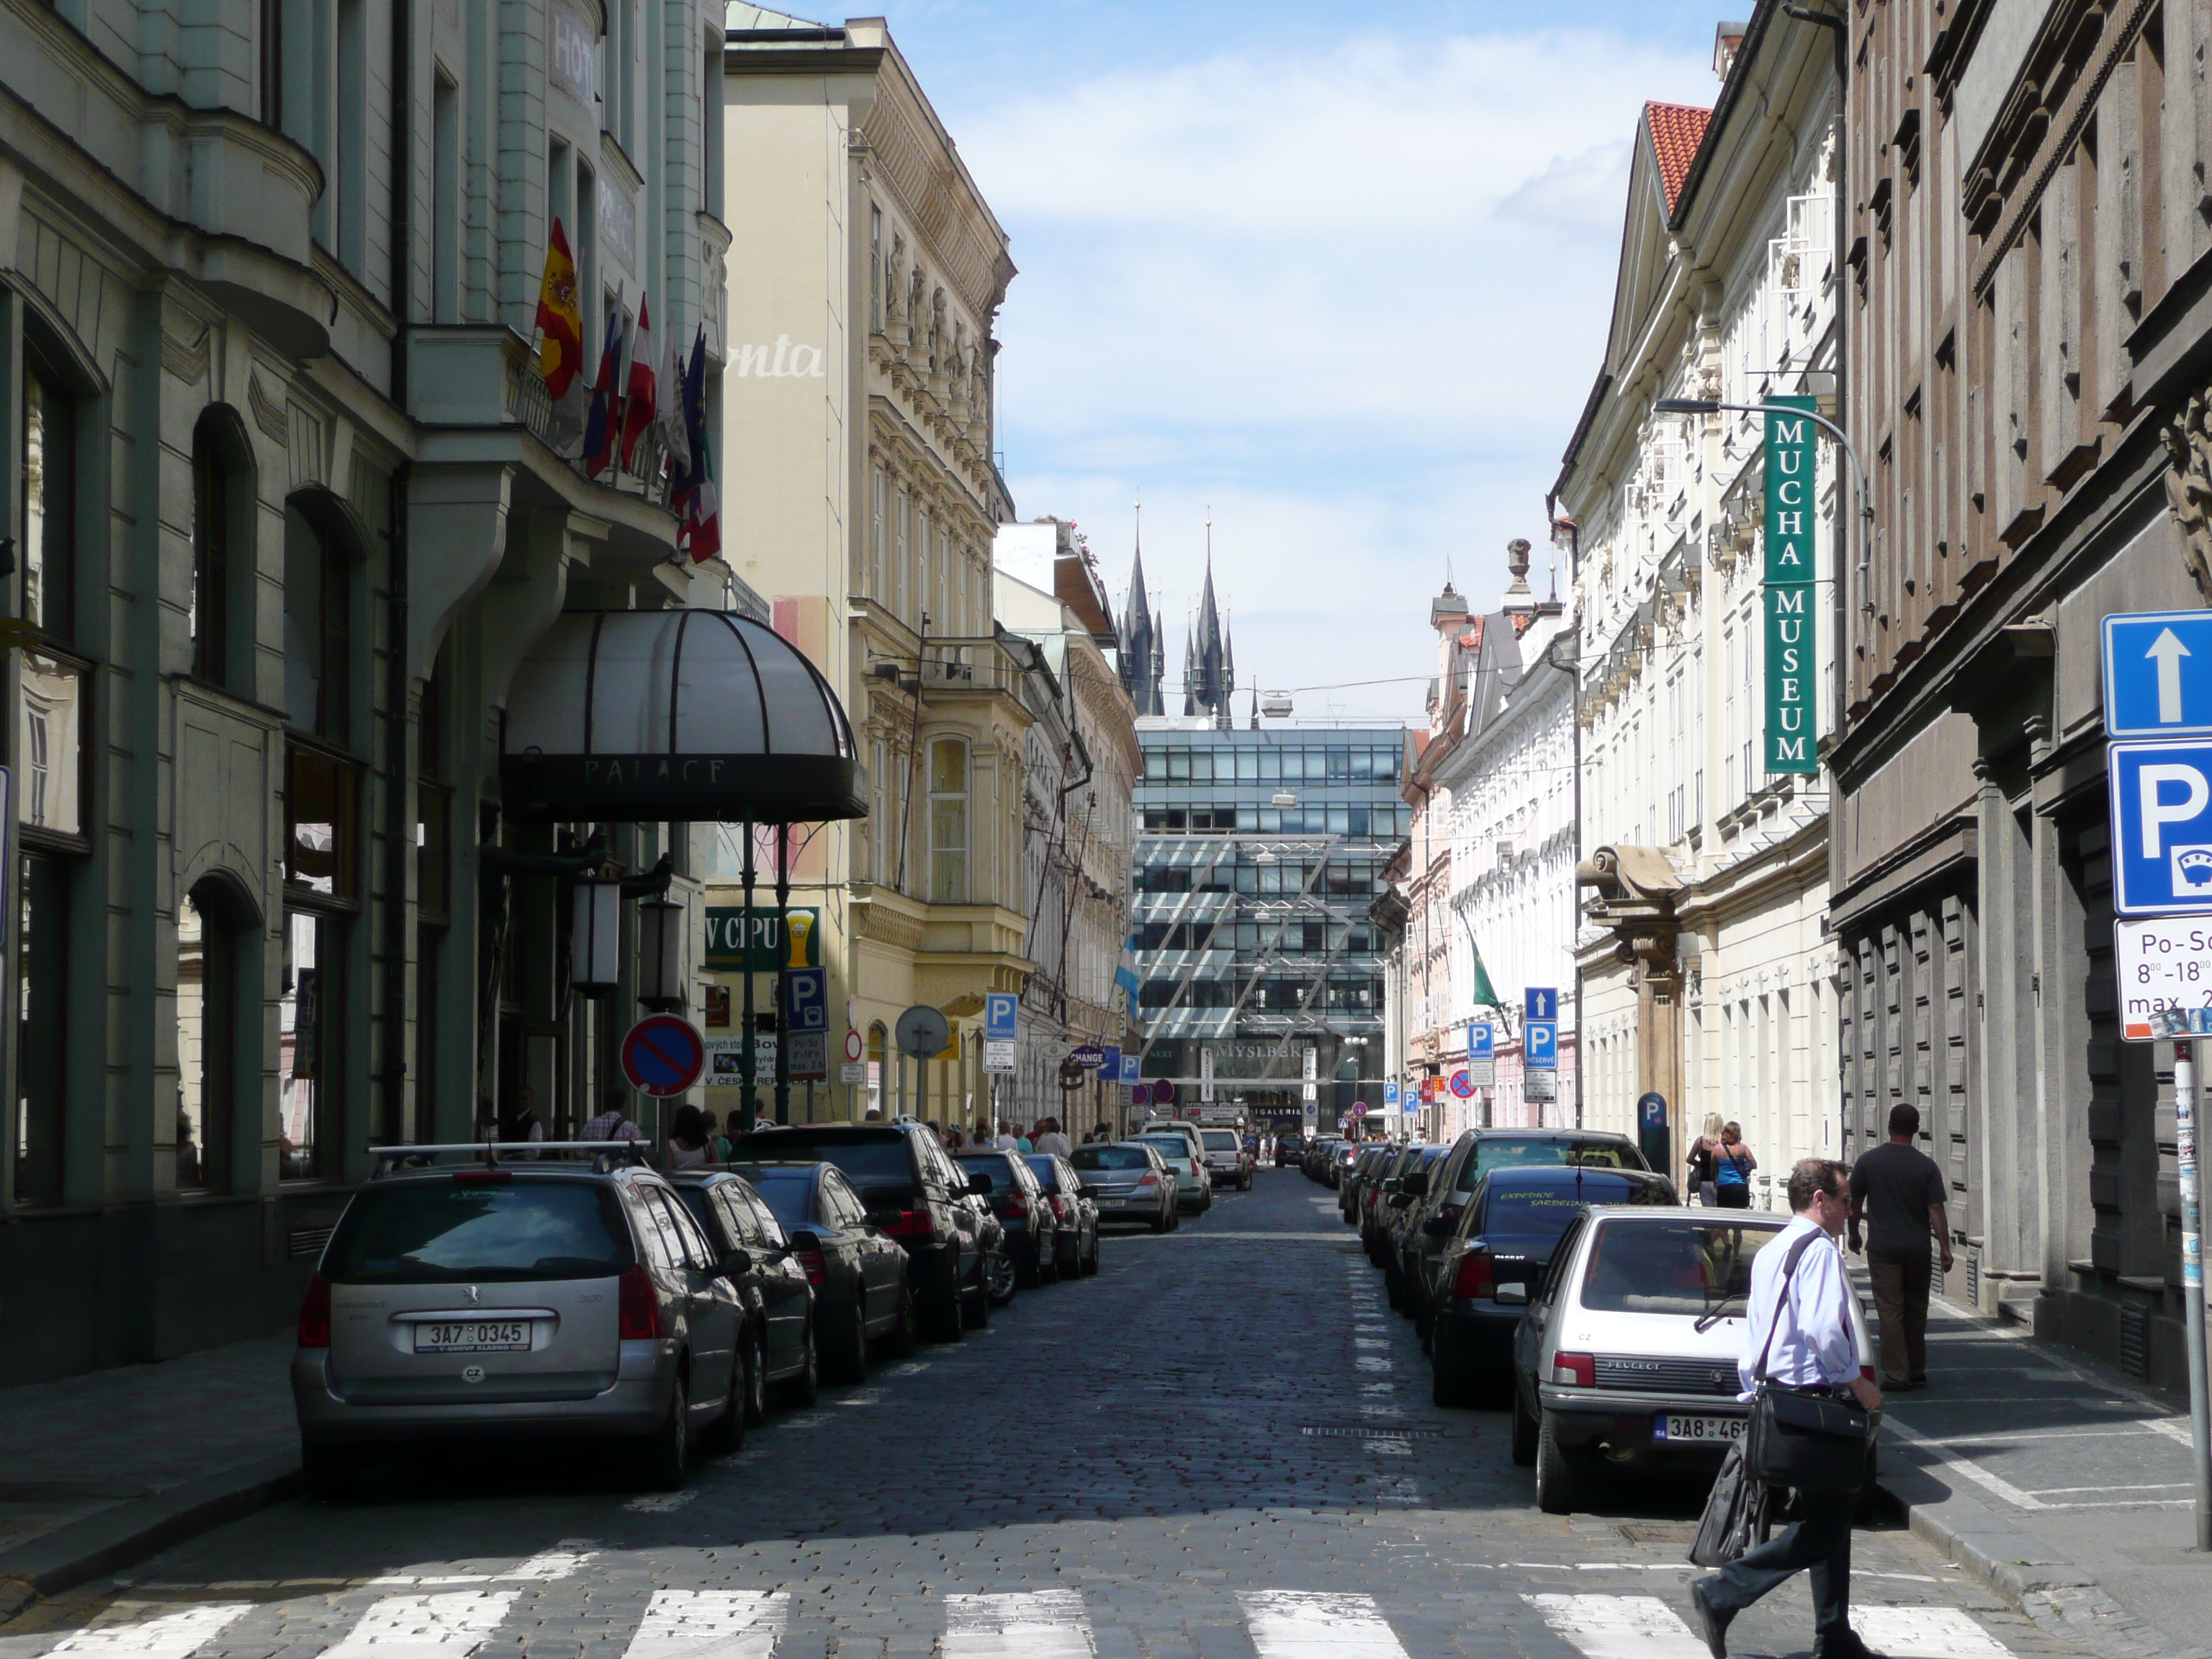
[
  {"x": 661, "y": 954},
  {"x": 595, "y": 938}
]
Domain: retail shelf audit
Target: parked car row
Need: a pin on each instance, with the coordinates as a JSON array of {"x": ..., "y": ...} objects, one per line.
[
  {"x": 1553, "y": 1274},
  {"x": 567, "y": 1292},
  {"x": 1326, "y": 1158}
]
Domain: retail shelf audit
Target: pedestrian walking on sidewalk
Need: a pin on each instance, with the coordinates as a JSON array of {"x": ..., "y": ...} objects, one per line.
[
  {"x": 1704, "y": 1153},
  {"x": 1799, "y": 1324},
  {"x": 1899, "y": 1191},
  {"x": 613, "y": 1123},
  {"x": 1732, "y": 1168}
]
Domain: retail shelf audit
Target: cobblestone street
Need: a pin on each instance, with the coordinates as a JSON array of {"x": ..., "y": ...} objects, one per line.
[{"x": 1221, "y": 1445}]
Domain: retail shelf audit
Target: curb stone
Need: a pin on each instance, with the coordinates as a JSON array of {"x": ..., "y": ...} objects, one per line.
[{"x": 129, "y": 1533}]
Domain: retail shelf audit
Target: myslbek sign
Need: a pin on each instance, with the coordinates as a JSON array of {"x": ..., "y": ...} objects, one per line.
[{"x": 1788, "y": 593}]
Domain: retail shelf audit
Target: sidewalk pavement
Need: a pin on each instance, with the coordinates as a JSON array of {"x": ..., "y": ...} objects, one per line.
[
  {"x": 105, "y": 1469},
  {"x": 2063, "y": 1484}
]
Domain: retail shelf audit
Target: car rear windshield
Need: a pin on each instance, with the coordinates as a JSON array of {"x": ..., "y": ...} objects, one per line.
[
  {"x": 788, "y": 1195},
  {"x": 1109, "y": 1157},
  {"x": 1519, "y": 1152},
  {"x": 1671, "y": 1267},
  {"x": 879, "y": 1158},
  {"x": 1047, "y": 1174},
  {"x": 1221, "y": 1140},
  {"x": 434, "y": 1232},
  {"x": 1171, "y": 1147},
  {"x": 1543, "y": 1211}
]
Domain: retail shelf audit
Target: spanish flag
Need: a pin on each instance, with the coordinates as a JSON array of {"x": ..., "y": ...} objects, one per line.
[{"x": 561, "y": 353}]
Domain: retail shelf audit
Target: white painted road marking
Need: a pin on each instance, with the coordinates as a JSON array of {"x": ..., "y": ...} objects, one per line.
[
  {"x": 1620, "y": 1626},
  {"x": 170, "y": 1636},
  {"x": 1032, "y": 1624},
  {"x": 1925, "y": 1633},
  {"x": 450, "y": 1626},
  {"x": 1319, "y": 1624},
  {"x": 562, "y": 1561},
  {"x": 711, "y": 1624}
]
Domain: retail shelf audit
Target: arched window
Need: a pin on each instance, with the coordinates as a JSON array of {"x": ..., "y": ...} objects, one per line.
[
  {"x": 948, "y": 821},
  {"x": 48, "y": 472},
  {"x": 222, "y": 522},
  {"x": 213, "y": 927}
]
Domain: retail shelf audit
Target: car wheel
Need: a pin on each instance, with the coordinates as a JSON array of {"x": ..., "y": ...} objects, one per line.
[
  {"x": 1029, "y": 1268},
  {"x": 802, "y": 1391},
  {"x": 847, "y": 1360},
  {"x": 1452, "y": 1375},
  {"x": 975, "y": 1304},
  {"x": 1391, "y": 1287},
  {"x": 903, "y": 1339},
  {"x": 667, "y": 1457},
  {"x": 1005, "y": 1277},
  {"x": 1161, "y": 1222},
  {"x": 1524, "y": 1432},
  {"x": 1090, "y": 1261},
  {"x": 947, "y": 1318},
  {"x": 755, "y": 1357},
  {"x": 727, "y": 1433},
  {"x": 1557, "y": 1482},
  {"x": 1175, "y": 1217},
  {"x": 332, "y": 1474}
]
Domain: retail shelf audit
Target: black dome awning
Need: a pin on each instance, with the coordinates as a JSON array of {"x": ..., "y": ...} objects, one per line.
[{"x": 697, "y": 716}]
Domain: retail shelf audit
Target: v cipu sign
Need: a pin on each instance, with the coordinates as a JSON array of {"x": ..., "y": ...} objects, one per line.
[{"x": 1788, "y": 587}]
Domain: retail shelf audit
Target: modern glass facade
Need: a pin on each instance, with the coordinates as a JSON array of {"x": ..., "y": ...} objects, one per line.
[{"x": 1258, "y": 856}]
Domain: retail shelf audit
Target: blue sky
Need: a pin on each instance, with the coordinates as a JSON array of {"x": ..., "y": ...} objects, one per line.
[{"x": 1341, "y": 273}]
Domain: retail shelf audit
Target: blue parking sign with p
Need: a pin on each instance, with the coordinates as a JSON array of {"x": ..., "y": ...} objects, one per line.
[
  {"x": 1539, "y": 1045},
  {"x": 2161, "y": 800},
  {"x": 1481, "y": 1040},
  {"x": 1001, "y": 1016}
]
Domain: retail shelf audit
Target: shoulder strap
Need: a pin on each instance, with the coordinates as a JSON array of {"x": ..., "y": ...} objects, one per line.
[{"x": 1781, "y": 1299}]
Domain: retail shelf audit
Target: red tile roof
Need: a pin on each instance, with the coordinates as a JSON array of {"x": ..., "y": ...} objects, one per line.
[{"x": 1676, "y": 131}]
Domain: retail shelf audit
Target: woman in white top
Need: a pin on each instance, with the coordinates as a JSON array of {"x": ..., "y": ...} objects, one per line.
[{"x": 687, "y": 1142}]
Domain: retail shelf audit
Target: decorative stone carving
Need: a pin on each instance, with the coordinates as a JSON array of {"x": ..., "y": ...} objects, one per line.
[{"x": 2188, "y": 440}]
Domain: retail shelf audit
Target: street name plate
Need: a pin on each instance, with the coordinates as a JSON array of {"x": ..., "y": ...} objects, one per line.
[
  {"x": 1482, "y": 1073},
  {"x": 2165, "y": 969}
]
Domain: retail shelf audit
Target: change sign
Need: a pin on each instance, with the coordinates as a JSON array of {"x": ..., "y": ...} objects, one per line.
[{"x": 1789, "y": 591}]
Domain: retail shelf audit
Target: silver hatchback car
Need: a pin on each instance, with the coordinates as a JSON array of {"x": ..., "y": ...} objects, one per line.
[{"x": 527, "y": 1301}]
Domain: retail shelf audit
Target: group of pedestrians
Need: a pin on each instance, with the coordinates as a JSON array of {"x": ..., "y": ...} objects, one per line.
[{"x": 1721, "y": 1165}]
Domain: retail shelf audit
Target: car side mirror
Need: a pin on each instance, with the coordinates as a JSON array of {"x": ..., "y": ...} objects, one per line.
[
  {"x": 1086, "y": 1192},
  {"x": 1400, "y": 1200},
  {"x": 1414, "y": 1184},
  {"x": 1437, "y": 1226},
  {"x": 979, "y": 1185},
  {"x": 736, "y": 1263},
  {"x": 1391, "y": 1185}
]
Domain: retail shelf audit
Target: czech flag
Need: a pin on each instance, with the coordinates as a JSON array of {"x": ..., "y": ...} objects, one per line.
[
  {"x": 606, "y": 395},
  {"x": 641, "y": 405}
]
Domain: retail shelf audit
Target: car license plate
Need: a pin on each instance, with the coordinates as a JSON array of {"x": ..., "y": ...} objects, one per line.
[
  {"x": 1715, "y": 1431},
  {"x": 474, "y": 1336}
]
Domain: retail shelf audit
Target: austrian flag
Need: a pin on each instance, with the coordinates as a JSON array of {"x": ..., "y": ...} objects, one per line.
[{"x": 642, "y": 405}]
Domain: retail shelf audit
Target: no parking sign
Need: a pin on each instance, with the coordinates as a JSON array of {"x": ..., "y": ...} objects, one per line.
[{"x": 663, "y": 1055}]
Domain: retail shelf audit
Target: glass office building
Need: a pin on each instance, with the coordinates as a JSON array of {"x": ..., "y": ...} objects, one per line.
[{"x": 1259, "y": 853}]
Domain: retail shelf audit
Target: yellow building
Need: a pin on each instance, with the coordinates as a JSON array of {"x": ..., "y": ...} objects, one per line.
[{"x": 859, "y": 495}]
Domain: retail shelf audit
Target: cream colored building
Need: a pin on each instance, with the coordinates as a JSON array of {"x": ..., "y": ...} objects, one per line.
[
  {"x": 859, "y": 495},
  {"x": 1707, "y": 976}
]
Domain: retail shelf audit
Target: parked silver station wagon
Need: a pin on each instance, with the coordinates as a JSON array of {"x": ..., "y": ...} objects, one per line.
[{"x": 525, "y": 1300}]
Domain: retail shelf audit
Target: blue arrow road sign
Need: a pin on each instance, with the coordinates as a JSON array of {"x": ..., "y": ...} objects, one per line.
[
  {"x": 1001, "y": 1016},
  {"x": 2158, "y": 674},
  {"x": 1542, "y": 1002},
  {"x": 2161, "y": 828},
  {"x": 1539, "y": 1045},
  {"x": 1481, "y": 1040}
]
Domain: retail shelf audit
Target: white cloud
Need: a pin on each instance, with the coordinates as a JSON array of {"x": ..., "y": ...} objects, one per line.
[{"x": 1353, "y": 298}]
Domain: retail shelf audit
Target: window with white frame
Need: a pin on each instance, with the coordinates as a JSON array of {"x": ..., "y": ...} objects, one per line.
[{"x": 948, "y": 821}]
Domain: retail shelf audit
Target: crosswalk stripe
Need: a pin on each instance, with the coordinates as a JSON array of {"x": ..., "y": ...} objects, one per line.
[
  {"x": 448, "y": 1626},
  {"x": 171, "y": 1636},
  {"x": 711, "y": 1624},
  {"x": 1032, "y": 1624},
  {"x": 1618, "y": 1627},
  {"x": 1925, "y": 1633},
  {"x": 1317, "y": 1625}
]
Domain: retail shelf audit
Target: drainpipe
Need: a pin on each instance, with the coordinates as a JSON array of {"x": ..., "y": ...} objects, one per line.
[{"x": 399, "y": 785}]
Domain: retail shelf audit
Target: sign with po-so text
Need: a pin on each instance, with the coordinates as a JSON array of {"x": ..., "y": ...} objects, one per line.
[{"x": 1788, "y": 593}]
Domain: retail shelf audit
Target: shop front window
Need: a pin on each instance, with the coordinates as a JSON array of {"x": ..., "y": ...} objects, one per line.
[
  {"x": 308, "y": 1047},
  {"x": 321, "y": 796}
]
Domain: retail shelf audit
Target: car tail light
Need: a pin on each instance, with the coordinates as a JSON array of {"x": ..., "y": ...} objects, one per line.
[
  {"x": 1017, "y": 1208},
  {"x": 1149, "y": 1178},
  {"x": 1474, "y": 1280},
  {"x": 1060, "y": 1209},
  {"x": 811, "y": 1258},
  {"x": 482, "y": 1177},
  {"x": 315, "y": 1314},
  {"x": 639, "y": 1308},
  {"x": 909, "y": 1224},
  {"x": 1576, "y": 1370}
]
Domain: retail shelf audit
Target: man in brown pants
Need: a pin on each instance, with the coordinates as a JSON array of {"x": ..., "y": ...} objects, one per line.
[{"x": 1898, "y": 1190}]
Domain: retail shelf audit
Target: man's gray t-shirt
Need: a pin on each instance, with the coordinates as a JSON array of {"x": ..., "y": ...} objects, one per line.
[{"x": 1895, "y": 1187}]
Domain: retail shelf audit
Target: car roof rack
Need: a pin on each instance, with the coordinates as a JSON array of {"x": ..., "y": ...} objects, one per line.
[{"x": 607, "y": 1155}]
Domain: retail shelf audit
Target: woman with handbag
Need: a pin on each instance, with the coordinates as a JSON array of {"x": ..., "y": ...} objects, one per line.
[
  {"x": 1811, "y": 1414},
  {"x": 1732, "y": 1169},
  {"x": 1704, "y": 1154}
]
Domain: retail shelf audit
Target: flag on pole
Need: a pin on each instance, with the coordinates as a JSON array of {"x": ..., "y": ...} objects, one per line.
[
  {"x": 672, "y": 427},
  {"x": 606, "y": 397},
  {"x": 699, "y": 528},
  {"x": 641, "y": 409},
  {"x": 561, "y": 352}
]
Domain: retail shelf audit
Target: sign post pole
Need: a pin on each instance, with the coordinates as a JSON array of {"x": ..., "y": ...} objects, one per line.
[
  {"x": 750, "y": 1110},
  {"x": 2192, "y": 1281}
]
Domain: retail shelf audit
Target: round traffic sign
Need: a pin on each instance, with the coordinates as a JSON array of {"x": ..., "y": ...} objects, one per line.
[
  {"x": 663, "y": 1055},
  {"x": 1140, "y": 1094},
  {"x": 923, "y": 1031},
  {"x": 1359, "y": 1109},
  {"x": 852, "y": 1044},
  {"x": 1461, "y": 1085},
  {"x": 1162, "y": 1092}
]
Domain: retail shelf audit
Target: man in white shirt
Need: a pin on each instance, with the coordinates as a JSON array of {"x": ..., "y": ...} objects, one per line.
[
  {"x": 1813, "y": 1346},
  {"x": 1052, "y": 1140}
]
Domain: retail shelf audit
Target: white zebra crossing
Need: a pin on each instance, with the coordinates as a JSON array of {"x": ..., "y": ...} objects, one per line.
[
  {"x": 1618, "y": 1627},
  {"x": 1317, "y": 1625},
  {"x": 1926, "y": 1633},
  {"x": 711, "y": 1624},
  {"x": 1032, "y": 1624},
  {"x": 448, "y": 1626},
  {"x": 167, "y": 1636}
]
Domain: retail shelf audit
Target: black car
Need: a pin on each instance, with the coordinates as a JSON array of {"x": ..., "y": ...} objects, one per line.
[
  {"x": 1289, "y": 1149},
  {"x": 1075, "y": 1208},
  {"x": 1510, "y": 1224},
  {"x": 1394, "y": 1220},
  {"x": 914, "y": 1193},
  {"x": 1018, "y": 1200},
  {"x": 771, "y": 1285},
  {"x": 1440, "y": 1193},
  {"x": 1375, "y": 1191},
  {"x": 861, "y": 1297}
]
